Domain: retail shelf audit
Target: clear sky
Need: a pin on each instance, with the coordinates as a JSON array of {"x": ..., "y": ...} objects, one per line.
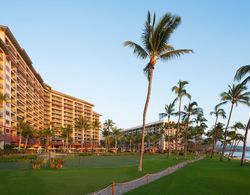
[{"x": 76, "y": 46}]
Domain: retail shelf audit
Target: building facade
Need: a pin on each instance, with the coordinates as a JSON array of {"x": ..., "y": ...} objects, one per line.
[
  {"x": 160, "y": 127},
  {"x": 29, "y": 98}
]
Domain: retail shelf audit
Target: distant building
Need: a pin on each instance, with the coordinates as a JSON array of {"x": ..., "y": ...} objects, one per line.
[{"x": 156, "y": 127}]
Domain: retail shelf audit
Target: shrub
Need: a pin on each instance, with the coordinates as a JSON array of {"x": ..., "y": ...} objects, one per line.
[
  {"x": 56, "y": 163},
  {"x": 36, "y": 164}
]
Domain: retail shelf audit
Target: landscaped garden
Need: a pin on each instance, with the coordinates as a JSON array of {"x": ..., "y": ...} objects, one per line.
[
  {"x": 79, "y": 175},
  {"x": 208, "y": 176}
]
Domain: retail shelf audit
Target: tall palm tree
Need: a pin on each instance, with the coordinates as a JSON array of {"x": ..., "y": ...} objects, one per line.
[
  {"x": 83, "y": 124},
  {"x": 108, "y": 124},
  {"x": 241, "y": 72},
  {"x": 235, "y": 95},
  {"x": 155, "y": 39},
  {"x": 189, "y": 110},
  {"x": 181, "y": 92}
]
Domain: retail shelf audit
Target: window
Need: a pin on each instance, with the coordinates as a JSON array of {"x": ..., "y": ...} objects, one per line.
[
  {"x": 7, "y": 113},
  {"x": 8, "y": 77},
  {"x": 7, "y": 86},
  {"x": 7, "y": 122},
  {"x": 7, "y": 68}
]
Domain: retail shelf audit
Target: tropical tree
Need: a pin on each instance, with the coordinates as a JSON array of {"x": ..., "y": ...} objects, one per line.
[
  {"x": 181, "y": 92},
  {"x": 67, "y": 131},
  {"x": 241, "y": 72},
  {"x": 236, "y": 94},
  {"x": 155, "y": 39},
  {"x": 38, "y": 135},
  {"x": 105, "y": 134},
  {"x": 21, "y": 125},
  {"x": 83, "y": 124},
  {"x": 27, "y": 132},
  {"x": 117, "y": 135},
  {"x": 216, "y": 134},
  {"x": 96, "y": 125},
  {"x": 189, "y": 110},
  {"x": 235, "y": 137},
  {"x": 48, "y": 133},
  {"x": 169, "y": 111},
  {"x": 218, "y": 112},
  {"x": 108, "y": 124}
]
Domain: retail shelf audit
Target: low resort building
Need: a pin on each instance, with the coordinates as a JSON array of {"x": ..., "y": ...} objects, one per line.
[
  {"x": 30, "y": 99},
  {"x": 163, "y": 128}
]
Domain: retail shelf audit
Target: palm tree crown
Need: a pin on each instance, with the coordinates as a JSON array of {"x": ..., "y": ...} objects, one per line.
[
  {"x": 236, "y": 94},
  {"x": 155, "y": 40},
  {"x": 169, "y": 110}
]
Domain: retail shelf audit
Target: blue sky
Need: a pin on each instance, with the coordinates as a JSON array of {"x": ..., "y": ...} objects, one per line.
[{"x": 76, "y": 46}]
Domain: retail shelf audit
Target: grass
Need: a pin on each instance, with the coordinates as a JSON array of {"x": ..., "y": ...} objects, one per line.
[
  {"x": 203, "y": 177},
  {"x": 78, "y": 177}
]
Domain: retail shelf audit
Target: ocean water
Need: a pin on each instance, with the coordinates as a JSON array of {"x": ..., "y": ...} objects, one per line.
[{"x": 238, "y": 154}]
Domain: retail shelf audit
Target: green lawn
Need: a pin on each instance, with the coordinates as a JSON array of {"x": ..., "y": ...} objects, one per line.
[
  {"x": 203, "y": 177},
  {"x": 77, "y": 177}
]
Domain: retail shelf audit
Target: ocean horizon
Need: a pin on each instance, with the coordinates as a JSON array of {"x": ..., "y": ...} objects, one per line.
[{"x": 239, "y": 154}]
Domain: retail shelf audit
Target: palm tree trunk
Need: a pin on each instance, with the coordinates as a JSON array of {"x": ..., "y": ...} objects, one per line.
[
  {"x": 150, "y": 77},
  {"x": 234, "y": 148},
  {"x": 26, "y": 142},
  {"x": 186, "y": 137},
  {"x": 82, "y": 141},
  {"x": 225, "y": 136},
  {"x": 20, "y": 141},
  {"x": 245, "y": 143},
  {"x": 214, "y": 140},
  {"x": 130, "y": 145},
  {"x": 178, "y": 129}
]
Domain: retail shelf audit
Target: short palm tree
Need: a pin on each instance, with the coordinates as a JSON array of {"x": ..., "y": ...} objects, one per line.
[
  {"x": 83, "y": 124},
  {"x": 117, "y": 135},
  {"x": 169, "y": 111},
  {"x": 105, "y": 134},
  {"x": 21, "y": 125},
  {"x": 217, "y": 112},
  {"x": 48, "y": 133},
  {"x": 67, "y": 131},
  {"x": 181, "y": 92},
  {"x": 96, "y": 125},
  {"x": 27, "y": 132},
  {"x": 241, "y": 72},
  {"x": 189, "y": 110},
  {"x": 216, "y": 134},
  {"x": 108, "y": 124},
  {"x": 235, "y": 95},
  {"x": 155, "y": 39}
]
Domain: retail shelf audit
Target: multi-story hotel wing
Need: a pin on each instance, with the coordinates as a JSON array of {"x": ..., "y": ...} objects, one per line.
[{"x": 33, "y": 100}]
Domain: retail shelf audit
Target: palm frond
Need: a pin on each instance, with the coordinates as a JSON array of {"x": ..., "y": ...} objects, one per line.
[
  {"x": 175, "y": 54},
  {"x": 138, "y": 50},
  {"x": 241, "y": 72}
]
